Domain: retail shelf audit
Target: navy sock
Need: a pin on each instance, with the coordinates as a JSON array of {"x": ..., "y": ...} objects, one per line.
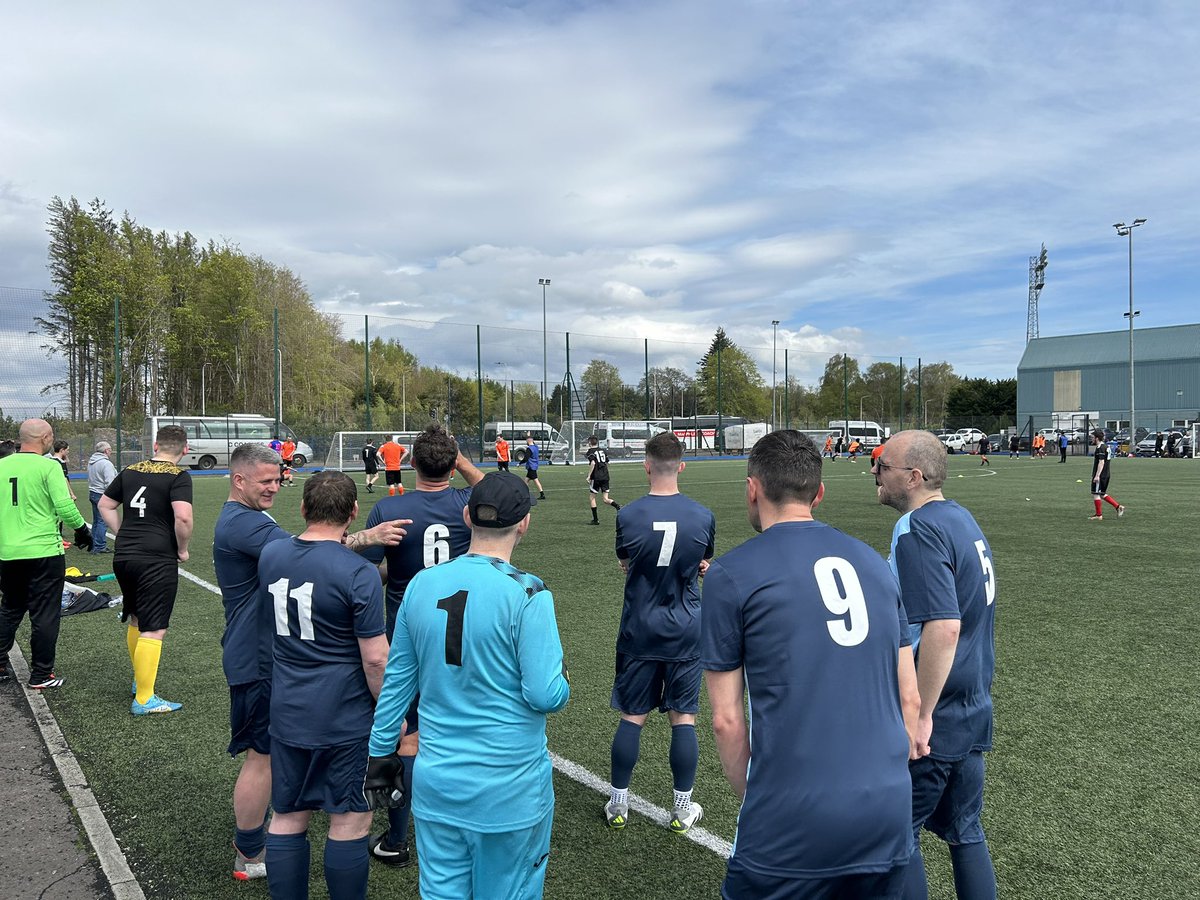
[
  {"x": 915, "y": 885},
  {"x": 625, "y": 753},
  {"x": 685, "y": 756},
  {"x": 287, "y": 874},
  {"x": 251, "y": 841},
  {"x": 974, "y": 875},
  {"x": 346, "y": 869},
  {"x": 397, "y": 835}
]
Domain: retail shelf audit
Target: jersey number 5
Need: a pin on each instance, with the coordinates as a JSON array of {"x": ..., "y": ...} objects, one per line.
[
  {"x": 302, "y": 594},
  {"x": 989, "y": 575}
]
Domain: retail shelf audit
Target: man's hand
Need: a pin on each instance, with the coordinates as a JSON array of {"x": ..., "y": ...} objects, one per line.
[
  {"x": 183, "y": 555},
  {"x": 922, "y": 736},
  {"x": 83, "y": 537},
  {"x": 704, "y": 563},
  {"x": 624, "y": 564},
  {"x": 386, "y": 533},
  {"x": 383, "y": 787}
]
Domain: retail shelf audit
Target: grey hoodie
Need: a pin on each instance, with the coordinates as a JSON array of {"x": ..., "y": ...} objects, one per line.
[{"x": 101, "y": 472}]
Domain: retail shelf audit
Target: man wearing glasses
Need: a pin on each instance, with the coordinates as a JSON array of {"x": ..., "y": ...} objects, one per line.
[{"x": 948, "y": 586}]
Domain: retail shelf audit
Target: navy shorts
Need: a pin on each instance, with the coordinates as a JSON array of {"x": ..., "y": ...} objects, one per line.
[
  {"x": 742, "y": 884},
  {"x": 948, "y": 798},
  {"x": 643, "y": 685},
  {"x": 328, "y": 778},
  {"x": 250, "y": 717},
  {"x": 149, "y": 586}
]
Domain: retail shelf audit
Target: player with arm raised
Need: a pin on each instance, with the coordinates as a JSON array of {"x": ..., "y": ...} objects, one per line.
[
  {"x": 948, "y": 585},
  {"x": 805, "y": 619},
  {"x": 597, "y": 477},
  {"x": 438, "y": 534},
  {"x": 664, "y": 542},
  {"x": 151, "y": 503},
  {"x": 329, "y": 653},
  {"x": 478, "y": 639},
  {"x": 243, "y": 529}
]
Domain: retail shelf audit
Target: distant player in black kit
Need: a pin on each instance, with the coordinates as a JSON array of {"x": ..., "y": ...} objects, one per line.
[
  {"x": 370, "y": 458},
  {"x": 597, "y": 477},
  {"x": 984, "y": 446},
  {"x": 154, "y": 498},
  {"x": 1101, "y": 465}
]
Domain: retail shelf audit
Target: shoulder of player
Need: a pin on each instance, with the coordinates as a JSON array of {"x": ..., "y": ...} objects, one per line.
[{"x": 157, "y": 467}]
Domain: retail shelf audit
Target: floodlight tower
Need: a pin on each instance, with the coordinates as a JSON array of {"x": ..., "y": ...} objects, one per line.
[
  {"x": 1037, "y": 281},
  {"x": 1127, "y": 231}
]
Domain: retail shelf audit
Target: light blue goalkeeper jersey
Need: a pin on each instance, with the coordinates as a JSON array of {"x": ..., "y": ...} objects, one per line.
[{"x": 478, "y": 639}]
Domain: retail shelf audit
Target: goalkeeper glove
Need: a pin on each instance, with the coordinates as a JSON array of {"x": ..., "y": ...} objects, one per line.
[
  {"x": 83, "y": 537},
  {"x": 383, "y": 787}
]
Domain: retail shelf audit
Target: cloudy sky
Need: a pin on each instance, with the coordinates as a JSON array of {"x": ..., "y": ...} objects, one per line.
[{"x": 873, "y": 175}]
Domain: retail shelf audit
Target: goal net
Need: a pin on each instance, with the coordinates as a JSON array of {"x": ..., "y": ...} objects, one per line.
[
  {"x": 623, "y": 439},
  {"x": 345, "y": 451}
]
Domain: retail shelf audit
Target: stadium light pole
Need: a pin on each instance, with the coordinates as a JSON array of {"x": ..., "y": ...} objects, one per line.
[
  {"x": 1127, "y": 231},
  {"x": 774, "y": 334},
  {"x": 203, "y": 393},
  {"x": 544, "y": 282}
]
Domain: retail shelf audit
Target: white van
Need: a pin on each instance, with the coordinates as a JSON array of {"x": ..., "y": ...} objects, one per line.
[
  {"x": 551, "y": 446},
  {"x": 623, "y": 439},
  {"x": 212, "y": 438},
  {"x": 869, "y": 434}
]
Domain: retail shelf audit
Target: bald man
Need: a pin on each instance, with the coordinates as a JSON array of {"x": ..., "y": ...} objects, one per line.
[{"x": 36, "y": 499}]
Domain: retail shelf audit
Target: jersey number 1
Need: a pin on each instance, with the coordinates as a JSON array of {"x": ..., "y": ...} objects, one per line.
[
  {"x": 456, "y": 607},
  {"x": 302, "y": 594}
]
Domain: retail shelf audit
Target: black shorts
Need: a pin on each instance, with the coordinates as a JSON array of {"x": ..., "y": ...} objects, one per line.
[
  {"x": 149, "y": 586},
  {"x": 250, "y": 717},
  {"x": 328, "y": 778},
  {"x": 371, "y": 468},
  {"x": 392, "y": 476},
  {"x": 531, "y": 474},
  {"x": 1101, "y": 489},
  {"x": 502, "y": 465},
  {"x": 643, "y": 685},
  {"x": 599, "y": 485}
]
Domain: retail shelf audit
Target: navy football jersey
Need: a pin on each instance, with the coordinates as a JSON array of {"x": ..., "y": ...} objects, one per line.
[
  {"x": 239, "y": 538},
  {"x": 664, "y": 538},
  {"x": 437, "y": 535},
  {"x": 810, "y": 614},
  {"x": 322, "y": 598},
  {"x": 944, "y": 565}
]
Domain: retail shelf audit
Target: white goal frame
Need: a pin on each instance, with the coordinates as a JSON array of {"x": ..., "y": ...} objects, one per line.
[
  {"x": 345, "y": 450},
  {"x": 1195, "y": 426}
]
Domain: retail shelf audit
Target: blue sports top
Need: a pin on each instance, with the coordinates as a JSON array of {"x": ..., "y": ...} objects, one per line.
[
  {"x": 664, "y": 538},
  {"x": 811, "y": 615},
  {"x": 944, "y": 565},
  {"x": 437, "y": 535},
  {"x": 535, "y": 455},
  {"x": 321, "y": 599},
  {"x": 239, "y": 538},
  {"x": 478, "y": 638}
]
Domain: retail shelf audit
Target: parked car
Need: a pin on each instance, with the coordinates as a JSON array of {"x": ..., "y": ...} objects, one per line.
[
  {"x": 1183, "y": 444},
  {"x": 954, "y": 443},
  {"x": 970, "y": 435}
]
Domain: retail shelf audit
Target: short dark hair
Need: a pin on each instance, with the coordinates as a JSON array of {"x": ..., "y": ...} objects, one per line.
[
  {"x": 664, "y": 452},
  {"x": 60, "y": 444},
  {"x": 172, "y": 438},
  {"x": 788, "y": 466},
  {"x": 592, "y": 439},
  {"x": 1098, "y": 434},
  {"x": 434, "y": 452},
  {"x": 329, "y": 498},
  {"x": 7, "y": 448}
]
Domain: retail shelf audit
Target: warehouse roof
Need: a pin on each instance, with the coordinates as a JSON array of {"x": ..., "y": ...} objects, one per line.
[{"x": 1070, "y": 351}]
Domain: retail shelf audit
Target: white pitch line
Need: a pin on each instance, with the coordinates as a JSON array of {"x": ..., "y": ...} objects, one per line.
[{"x": 578, "y": 773}]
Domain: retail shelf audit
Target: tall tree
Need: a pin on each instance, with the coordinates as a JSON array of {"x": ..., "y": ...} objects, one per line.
[{"x": 742, "y": 389}]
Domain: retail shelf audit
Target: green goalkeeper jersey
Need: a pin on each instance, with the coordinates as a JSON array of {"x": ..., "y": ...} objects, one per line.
[{"x": 33, "y": 499}]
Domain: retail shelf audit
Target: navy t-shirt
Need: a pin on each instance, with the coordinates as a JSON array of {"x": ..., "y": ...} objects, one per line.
[
  {"x": 944, "y": 565},
  {"x": 321, "y": 598},
  {"x": 437, "y": 535},
  {"x": 664, "y": 538},
  {"x": 241, "y": 533},
  {"x": 811, "y": 615}
]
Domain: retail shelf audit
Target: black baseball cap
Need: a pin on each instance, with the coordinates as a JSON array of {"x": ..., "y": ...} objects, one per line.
[{"x": 499, "y": 500}]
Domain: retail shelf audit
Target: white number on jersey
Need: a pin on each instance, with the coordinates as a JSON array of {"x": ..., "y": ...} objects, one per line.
[
  {"x": 302, "y": 594},
  {"x": 138, "y": 502},
  {"x": 846, "y": 600},
  {"x": 601, "y": 456},
  {"x": 437, "y": 549},
  {"x": 668, "y": 545},
  {"x": 989, "y": 574}
]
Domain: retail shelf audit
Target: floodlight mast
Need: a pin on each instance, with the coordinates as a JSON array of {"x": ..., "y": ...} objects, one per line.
[
  {"x": 1037, "y": 281},
  {"x": 1127, "y": 231}
]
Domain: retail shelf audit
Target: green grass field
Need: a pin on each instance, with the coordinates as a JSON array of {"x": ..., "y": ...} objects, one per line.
[{"x": 1092, "y": 786}]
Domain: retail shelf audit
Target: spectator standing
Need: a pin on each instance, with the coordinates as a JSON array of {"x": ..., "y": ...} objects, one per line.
[
  {"x": 61, "y": 452},
  {"x": 329, "y": 653},
  {"x": 943, "y": 564},
  {"x": 1063, "y": 440},
  {"x": 151, "y": 503},
  {"x": 31, "y": 549},
  {"x": 101, "y": 473},
  {"x": 1158, "y": 444},
  {"x": 478, "y": 639},
  {"x": 807, "y": 620}
]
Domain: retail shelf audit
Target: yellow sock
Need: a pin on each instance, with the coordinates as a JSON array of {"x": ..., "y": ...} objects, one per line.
[
  {"x": 145, "y": 667},
  {"x": 131, "y": 639}
]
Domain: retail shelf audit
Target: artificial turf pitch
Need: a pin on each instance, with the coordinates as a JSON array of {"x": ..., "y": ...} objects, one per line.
[{"x": 1092, "y": 786}]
